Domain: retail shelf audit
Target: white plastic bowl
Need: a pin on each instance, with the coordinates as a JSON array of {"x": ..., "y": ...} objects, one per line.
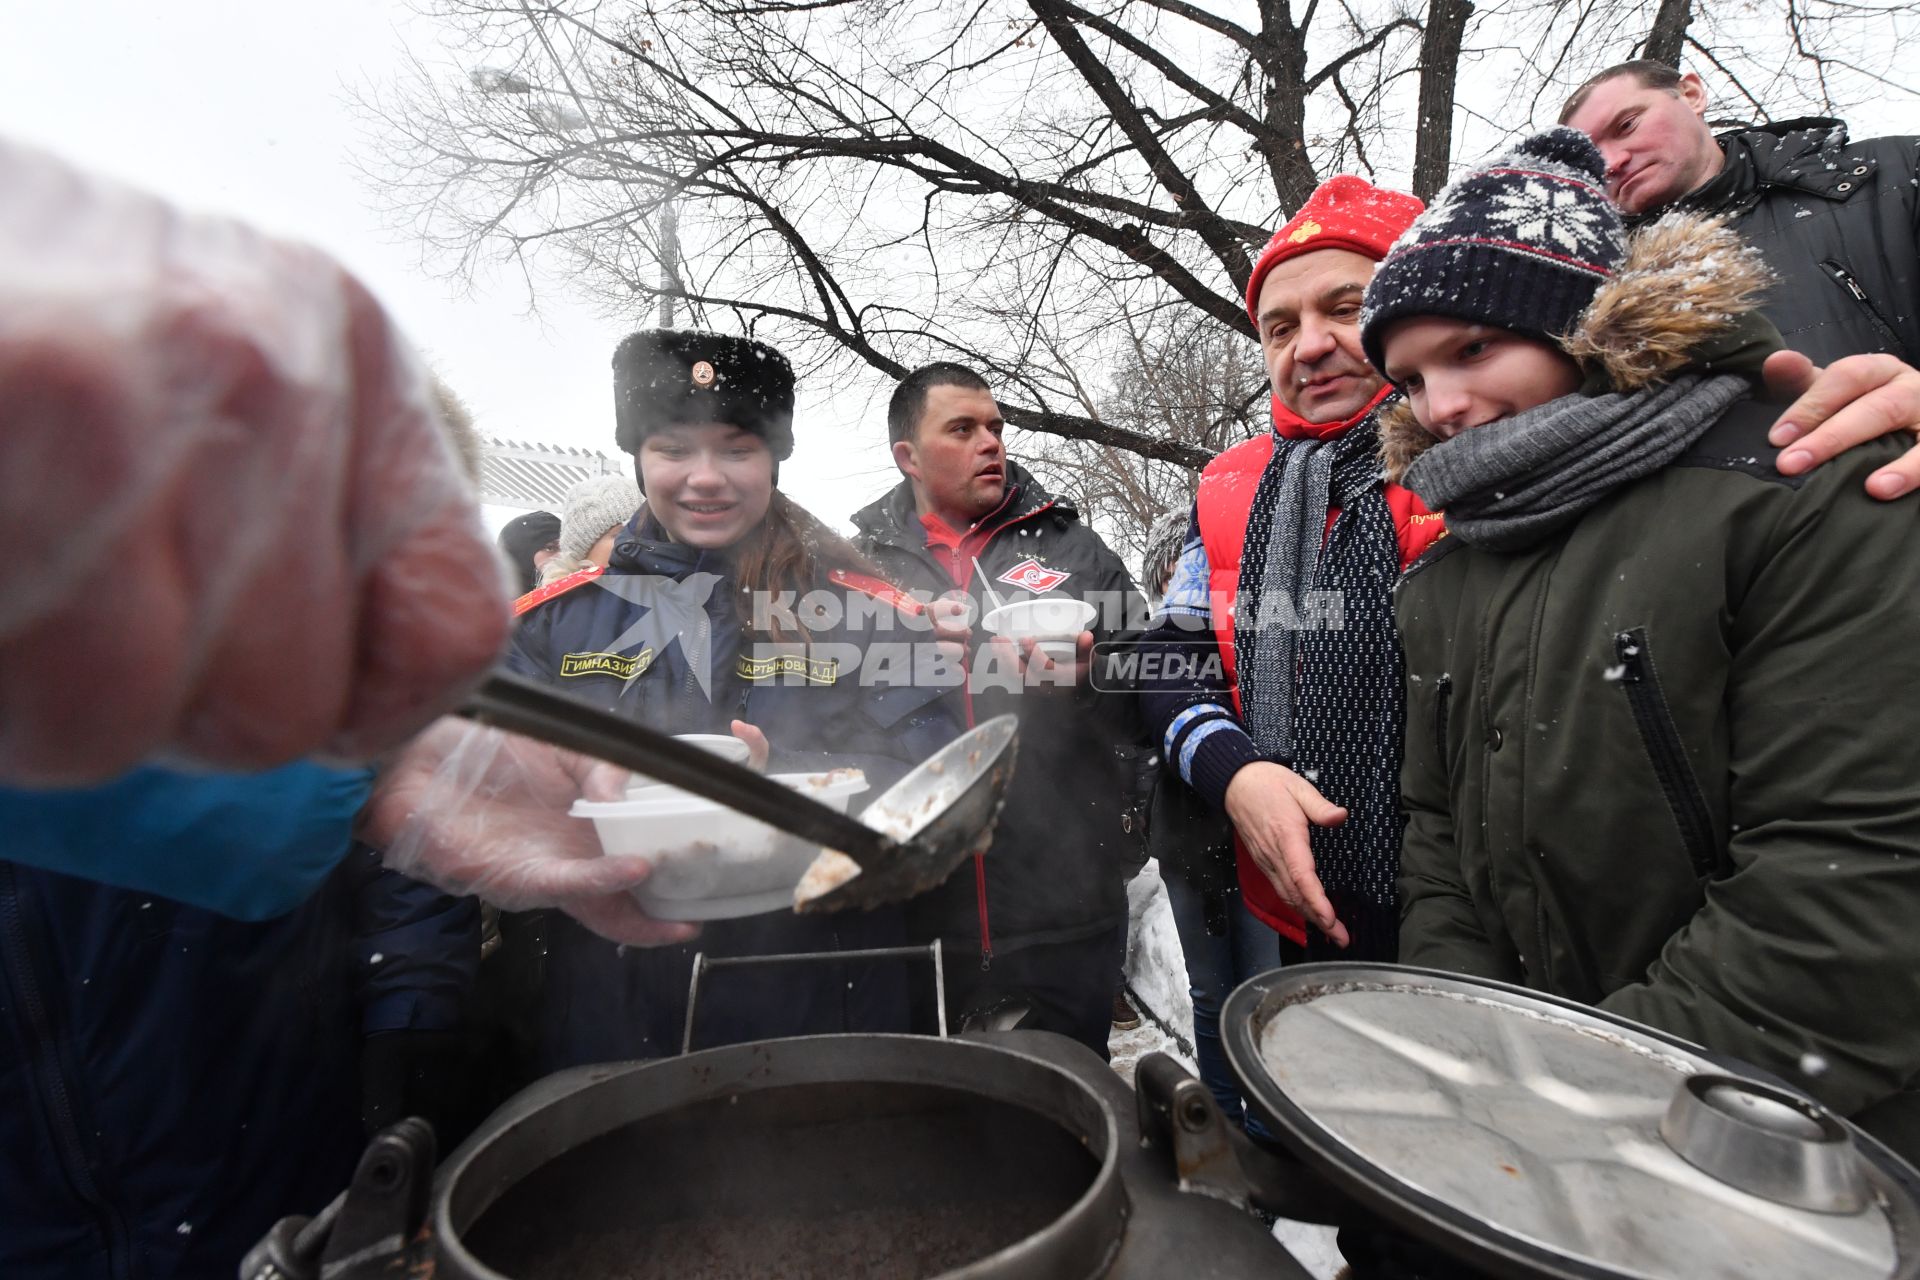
[
  {"x": 1055, "y": 622},
  {"x": 710, "y": 863},
  {"x": 724, "y": 745}
]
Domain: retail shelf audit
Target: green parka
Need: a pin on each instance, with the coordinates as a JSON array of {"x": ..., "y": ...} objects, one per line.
[{"x": 1661, "y": 761}]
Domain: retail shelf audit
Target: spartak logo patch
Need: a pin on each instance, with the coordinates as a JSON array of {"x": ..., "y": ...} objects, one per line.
[{"x": 1033, "y": 576}]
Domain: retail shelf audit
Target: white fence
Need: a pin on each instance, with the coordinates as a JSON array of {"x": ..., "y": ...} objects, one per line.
[{"x": 532, "y": 477}]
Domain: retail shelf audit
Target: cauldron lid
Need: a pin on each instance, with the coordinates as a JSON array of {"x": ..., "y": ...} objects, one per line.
[{"x": 1522, "y": 1132}]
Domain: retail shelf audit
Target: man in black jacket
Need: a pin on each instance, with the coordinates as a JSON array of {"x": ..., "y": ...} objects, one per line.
[
  {"x": 1837, "y": 222},
  {"x": 1045, "y": 910}
]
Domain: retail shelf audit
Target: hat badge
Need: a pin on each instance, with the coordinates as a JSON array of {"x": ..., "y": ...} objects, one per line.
[
  {"x": 704, "y": 374},
  {"x": 1304, "y": 232}
]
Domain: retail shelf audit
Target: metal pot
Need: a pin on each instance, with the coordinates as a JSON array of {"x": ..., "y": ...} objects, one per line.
[
  {"x": 1012, "y": 1155},
  {"x": 1493, "y": 1130}
]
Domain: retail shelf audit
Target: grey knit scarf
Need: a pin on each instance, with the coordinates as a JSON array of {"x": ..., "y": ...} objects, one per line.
[
  {"x": 1319, "y": 681},
  {"x": 1507, "y": 485}
]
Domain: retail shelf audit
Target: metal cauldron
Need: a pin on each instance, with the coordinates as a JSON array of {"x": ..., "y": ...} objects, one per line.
[
  {"x": 1015, "y": 1155},
  {"x": 1492, "y": 1130}
]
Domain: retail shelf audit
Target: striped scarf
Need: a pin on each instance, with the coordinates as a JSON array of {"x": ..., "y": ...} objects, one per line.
[{"x": 1317, "y": 604}]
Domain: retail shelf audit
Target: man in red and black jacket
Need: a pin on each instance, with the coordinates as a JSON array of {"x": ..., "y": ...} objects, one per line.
[
  {"x": 1286, "y": 709},
  {"x": 1045, "y": 910}
]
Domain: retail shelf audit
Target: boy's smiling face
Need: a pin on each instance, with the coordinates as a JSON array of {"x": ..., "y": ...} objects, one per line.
[{"x": 1460, "y": 374}]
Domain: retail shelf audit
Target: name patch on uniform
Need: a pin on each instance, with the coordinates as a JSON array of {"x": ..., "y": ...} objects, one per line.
[
  {"x": 624, "y": 666},
  {"x": 811, "y": 670},
  {"x": 1034, "y": 576}
]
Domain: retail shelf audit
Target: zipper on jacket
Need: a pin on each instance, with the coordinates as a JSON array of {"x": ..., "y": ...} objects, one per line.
[
  {"x": 1442, "y": 704},
  {"x": 48, "y": 1072},
  {"x": 979, "y": 859},
  {"x": 872, "y": 543},
  {"x": 1661, "y": 739},
  {"x": 1845, "y": 279}
]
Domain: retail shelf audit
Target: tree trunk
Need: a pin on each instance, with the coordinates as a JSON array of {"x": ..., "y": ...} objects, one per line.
[
  {"x": 1669, "y": 32},
  {"x": 1439, "y": 68},
  {"x": 671, "y": 286},
  {"x": 1283, "y": 56}
]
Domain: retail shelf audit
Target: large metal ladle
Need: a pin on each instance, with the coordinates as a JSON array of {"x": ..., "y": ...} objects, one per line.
[{"x": 944, "y": 810}]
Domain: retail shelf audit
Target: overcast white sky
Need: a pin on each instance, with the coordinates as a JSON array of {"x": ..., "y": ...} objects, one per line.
[{"x": 241, "y": 108}]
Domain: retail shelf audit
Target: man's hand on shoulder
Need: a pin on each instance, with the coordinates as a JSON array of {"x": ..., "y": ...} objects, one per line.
[
  {"x": 1851, "y": 401},
  {"x": 1271, "y": 808}
]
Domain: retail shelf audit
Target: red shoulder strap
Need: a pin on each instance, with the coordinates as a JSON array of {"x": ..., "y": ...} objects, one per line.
[
  {"x": 558, "y": 587},
  {"x": 878, "y": 588}
]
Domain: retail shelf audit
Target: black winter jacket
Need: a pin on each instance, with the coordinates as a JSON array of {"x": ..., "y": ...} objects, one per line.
[
  {"x": 1839, "y": 225},
  {"x": 1061, "y": 855}
]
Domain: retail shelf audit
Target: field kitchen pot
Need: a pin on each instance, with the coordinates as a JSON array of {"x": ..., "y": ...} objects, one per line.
[
  {"x": 1520, "y": 1135},
  {"x": 1014, "y": 1154}
]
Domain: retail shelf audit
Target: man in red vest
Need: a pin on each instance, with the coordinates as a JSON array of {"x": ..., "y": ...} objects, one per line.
[{"x": 1286, "y": 711}]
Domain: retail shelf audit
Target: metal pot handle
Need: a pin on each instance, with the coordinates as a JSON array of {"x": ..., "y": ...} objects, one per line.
[
  {"x": 702, "y": 962},
  {"x": 1179, "y": 1116},
  {"x": 370, "y": 1228}
]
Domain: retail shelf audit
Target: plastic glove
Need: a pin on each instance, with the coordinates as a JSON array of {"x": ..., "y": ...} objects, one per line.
[
  {"x": 234, "y": 531},
  {"x": 474, "y": 810}
]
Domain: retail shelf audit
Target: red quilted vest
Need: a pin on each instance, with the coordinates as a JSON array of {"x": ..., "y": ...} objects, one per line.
[{"x": 1224, "y": 502}]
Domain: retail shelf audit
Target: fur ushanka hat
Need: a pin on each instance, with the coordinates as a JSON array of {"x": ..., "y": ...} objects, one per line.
[{"x": 672, "y": 377}]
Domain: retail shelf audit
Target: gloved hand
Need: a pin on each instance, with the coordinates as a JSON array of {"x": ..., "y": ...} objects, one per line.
[
  {"x": 234, "y": 532},
  {"x": 474, "y": 810}
]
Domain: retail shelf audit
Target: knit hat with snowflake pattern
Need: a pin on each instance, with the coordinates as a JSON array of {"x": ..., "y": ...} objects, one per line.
[{"x": 1521, "y": 242}]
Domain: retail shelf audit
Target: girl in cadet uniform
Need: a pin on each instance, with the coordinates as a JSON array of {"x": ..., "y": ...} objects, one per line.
[{"x": 694, "y": 626}]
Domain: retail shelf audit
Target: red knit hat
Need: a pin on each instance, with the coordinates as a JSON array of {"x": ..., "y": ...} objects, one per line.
[{"x": 1343, "y": 212}]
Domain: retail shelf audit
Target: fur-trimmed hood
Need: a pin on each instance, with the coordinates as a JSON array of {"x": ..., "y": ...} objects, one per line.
[
  {"x": 457, "y": 421},
  {"x": 1685, "y": 297}
]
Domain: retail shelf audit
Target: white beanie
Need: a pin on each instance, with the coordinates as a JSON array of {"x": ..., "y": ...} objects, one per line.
[{"x": 591, "y": 508}]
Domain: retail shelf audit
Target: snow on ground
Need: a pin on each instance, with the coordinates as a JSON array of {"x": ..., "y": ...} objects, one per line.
[
  {"x": 1157, "y": 985},
  {"x": 1156, "y": 973},
  {"x": 1156, "y": 980}
]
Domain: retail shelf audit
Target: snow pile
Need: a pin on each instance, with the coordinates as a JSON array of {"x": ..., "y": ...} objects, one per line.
[{"x": 1156, "y": 970}]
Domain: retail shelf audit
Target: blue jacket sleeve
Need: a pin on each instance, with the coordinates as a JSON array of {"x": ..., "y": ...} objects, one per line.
[
  {"x": 249, "y": 846},
  {"x": 417, "y": 950},
  {"x": 1184, "y": 695}
]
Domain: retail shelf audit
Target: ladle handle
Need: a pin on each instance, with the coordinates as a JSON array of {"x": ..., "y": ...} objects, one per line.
[{"x": 522, "y": 706}]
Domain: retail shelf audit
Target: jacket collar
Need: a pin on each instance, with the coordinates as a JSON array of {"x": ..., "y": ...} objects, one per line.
[
  {"x": 1809, "y": 155},
  {"x": 893, "y": 517},
  {"x": 644, "y": 547}
]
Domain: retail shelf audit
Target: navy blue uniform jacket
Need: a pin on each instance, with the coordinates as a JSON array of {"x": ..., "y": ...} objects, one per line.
[{"x": 637, "y": 640}]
